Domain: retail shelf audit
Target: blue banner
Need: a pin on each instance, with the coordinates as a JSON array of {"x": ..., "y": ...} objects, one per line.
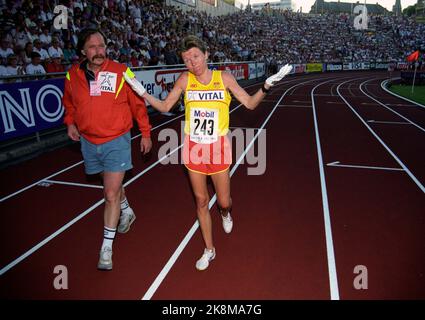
[{"x": 30, "y": 106}]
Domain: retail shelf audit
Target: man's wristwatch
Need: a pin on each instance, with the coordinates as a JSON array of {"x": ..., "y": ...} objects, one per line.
[{"x": 263, "y": 88}]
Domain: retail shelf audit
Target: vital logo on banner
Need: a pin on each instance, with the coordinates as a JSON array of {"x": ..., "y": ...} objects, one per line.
[{"x": 30, "y": 107}]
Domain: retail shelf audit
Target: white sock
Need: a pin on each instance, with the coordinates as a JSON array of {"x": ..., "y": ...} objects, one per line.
[
  {"x": 125, "y": 206},
  {"x": 108, "y": 237}
]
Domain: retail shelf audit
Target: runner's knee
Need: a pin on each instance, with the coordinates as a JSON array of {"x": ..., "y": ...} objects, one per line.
[{"x": 202, "y": 201}]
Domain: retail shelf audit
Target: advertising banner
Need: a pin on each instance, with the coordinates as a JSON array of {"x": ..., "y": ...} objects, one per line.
[
  {"x": 314, "y": 67},
  {"x": 334, "y": 67},
  {"x": 299, "y": 68},
  {"x": 256, "y": 70},
  {"x": 30, "y": 106},
  {"x": 239, "y": 71}
]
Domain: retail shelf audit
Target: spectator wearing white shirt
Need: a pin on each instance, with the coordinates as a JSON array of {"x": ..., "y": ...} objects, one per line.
[
  {"x": 5, "y": 50},
  {"x": 45, "y": 37},
  {"x": 45, "y": 13},
  {"x": 26, "y": 56},
  {"x": 32, "y": 34},
  {"x": 12, "y": 68},
  {"x": 3, "y": 72},
  {"x": 78, "y": 4},
  {"x": 35, "y": 67},
  {"x": 55, "y": 49},
  {"x": 21, "y": 37},
  {"x": 43, "y": 52}
]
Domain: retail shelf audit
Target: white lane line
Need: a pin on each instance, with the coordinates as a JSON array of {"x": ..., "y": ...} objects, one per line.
[
  {"x": 46, "y": 240},
  {"x": 160, "y": 125},
  {"x": 333, "y": 279},
  {"x": 393, "y": 111},
  {"x": 411, "y": 175},
  {"x": 384, "y": 87},
  {"x": 369, "y": 104},
  {"x": 161, "y": 276},
  {"x": 80, "y": 216},
  {"x": 399, "y": 105},
  {"x": 83, "y": 214},
  {"x": 74, "y": 184},
  {"x": 332, "y": 91},
  {"x": 349, "y": 90},
  {"x": 388, "y": 122},
  {"x": 338, "y": 164},
  {"x": 39, "y": 181}
]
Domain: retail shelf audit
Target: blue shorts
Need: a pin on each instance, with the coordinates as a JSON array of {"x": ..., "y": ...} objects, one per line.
[{"x": 111, "y": 156}]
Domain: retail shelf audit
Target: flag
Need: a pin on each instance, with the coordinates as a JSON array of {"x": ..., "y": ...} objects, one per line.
[{"x": 414, "y": 56}]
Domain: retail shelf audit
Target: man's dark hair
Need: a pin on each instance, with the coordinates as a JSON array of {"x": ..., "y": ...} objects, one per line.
[
  {"x": 84, "y": 35},
  {"x": 35, "y": 54}
]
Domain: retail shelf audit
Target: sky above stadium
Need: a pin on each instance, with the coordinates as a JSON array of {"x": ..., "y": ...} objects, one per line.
[{"x": 306, "y": 4}]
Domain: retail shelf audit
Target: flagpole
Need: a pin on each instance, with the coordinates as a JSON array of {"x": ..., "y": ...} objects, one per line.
[{"x": 414, "y": 77}]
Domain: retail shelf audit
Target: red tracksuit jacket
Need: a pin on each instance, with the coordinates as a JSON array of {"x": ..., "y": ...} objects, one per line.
[{"x": 107, "y": 116}]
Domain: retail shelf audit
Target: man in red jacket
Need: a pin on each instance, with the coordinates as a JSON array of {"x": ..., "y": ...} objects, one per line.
[{"x": 99, "y": 111}]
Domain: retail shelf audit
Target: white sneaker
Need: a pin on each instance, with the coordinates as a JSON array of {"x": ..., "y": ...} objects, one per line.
[
  {"x": 126, "y": 219},
  {"x": 105, "y": 259},
  {"x": 227, "y": 223},
  {"x": 204, "y": 261}
]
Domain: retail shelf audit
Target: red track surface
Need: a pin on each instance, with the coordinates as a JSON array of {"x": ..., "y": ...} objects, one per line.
[{"x": 282, "y": 245}]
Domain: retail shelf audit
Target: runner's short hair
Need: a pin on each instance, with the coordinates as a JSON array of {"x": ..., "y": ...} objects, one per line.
[{"x": 192, "y": 42}]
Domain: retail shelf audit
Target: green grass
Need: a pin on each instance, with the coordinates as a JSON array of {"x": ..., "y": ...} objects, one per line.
[{"x": 406, "y": 91}]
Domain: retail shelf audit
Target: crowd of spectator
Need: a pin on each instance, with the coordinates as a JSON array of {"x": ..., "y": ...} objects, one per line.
[{"x": 147, "y": 33}]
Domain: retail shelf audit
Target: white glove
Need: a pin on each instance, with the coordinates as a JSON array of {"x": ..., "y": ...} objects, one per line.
[
  {"x": 278, "y": 76},
  {"x": 135, "y": 84}
]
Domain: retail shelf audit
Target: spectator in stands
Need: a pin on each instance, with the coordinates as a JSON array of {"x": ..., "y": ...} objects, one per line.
[
  {"x": 3, "y": 72},
  {"x": 55, "y": 49},
  {"x": 55, "y": 65},
  {"x": 20, "y": 37},
  {"x": 124, "y": 60},
  {"x": 45, "y": 37},
  {"x": 13, "y": 69},
  {"x": 99, "y": 108},
  {"x": 68, "y": 51},
  {"x": 135, "y": 61},
  {"x": 35, "y": 67},
  {"x": 207, "y": 150},
  {"x": 27, "y": 53},
  {"x": 43, "y": 52},
  {"x": 170, "y": 55},
  {"x": 32, "y": 34},
  {"x": 5, "y": 50}
]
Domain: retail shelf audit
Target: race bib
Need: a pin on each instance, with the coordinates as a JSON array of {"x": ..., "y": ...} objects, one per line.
[
  {"x": 95, "y": 89},
  {"x": 203, "y": 125}
]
